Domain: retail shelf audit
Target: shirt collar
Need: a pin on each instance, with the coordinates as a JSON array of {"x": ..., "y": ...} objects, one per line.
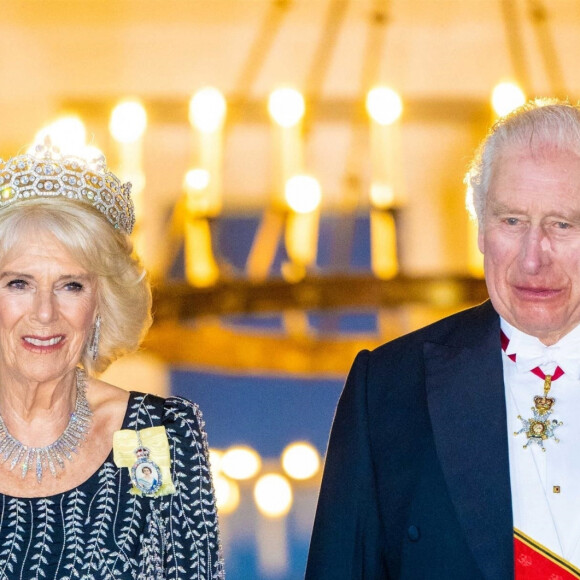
[{"x": 531, "y": 352}]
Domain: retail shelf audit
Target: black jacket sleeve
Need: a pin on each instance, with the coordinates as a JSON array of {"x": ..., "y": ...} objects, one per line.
[{"x": 347, "y": 537}]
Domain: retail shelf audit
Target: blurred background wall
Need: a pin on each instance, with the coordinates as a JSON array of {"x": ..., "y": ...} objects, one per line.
[{"x": 297, "y": 169}]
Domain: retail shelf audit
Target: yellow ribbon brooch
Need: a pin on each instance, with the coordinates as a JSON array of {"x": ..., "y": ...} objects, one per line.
[{"x": 146, "y": 454}]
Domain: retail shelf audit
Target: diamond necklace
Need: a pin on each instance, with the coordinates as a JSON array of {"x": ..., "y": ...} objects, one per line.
[{"x": 55, "y": 453}]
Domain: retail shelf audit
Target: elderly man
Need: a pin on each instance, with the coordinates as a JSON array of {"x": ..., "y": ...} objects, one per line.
[{"x": 455, "y": 450}]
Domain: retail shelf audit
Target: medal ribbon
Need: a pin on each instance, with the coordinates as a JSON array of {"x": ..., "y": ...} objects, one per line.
[
  {"x": 126, "y": 441},
  {"x": 541, "y": 426}
]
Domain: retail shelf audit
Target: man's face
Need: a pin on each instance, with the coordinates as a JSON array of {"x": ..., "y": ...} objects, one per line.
[{"x": 530, "y": 239}]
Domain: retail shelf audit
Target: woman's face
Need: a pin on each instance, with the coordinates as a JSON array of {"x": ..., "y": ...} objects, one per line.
[{"x": 47, "y": 309}]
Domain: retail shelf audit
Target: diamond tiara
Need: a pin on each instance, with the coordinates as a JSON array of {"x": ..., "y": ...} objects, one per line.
[{"x": 48, "y": 174}]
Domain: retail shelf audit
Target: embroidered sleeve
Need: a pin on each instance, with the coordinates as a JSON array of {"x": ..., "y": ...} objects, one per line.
[{"x": 192, "y": 544}]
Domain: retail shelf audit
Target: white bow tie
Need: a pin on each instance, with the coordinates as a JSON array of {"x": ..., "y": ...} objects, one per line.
[{"x": 531, "y": 353}]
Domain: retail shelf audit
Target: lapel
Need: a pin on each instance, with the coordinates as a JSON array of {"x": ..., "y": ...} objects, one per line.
[{"x": 466, "y": 399}]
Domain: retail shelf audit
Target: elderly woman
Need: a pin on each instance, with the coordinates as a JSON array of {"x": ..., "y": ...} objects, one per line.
[{"x": 95, "y": 482}]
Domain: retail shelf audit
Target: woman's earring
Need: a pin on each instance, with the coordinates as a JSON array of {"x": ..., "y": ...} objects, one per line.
[{"x": 94, "y": 343}]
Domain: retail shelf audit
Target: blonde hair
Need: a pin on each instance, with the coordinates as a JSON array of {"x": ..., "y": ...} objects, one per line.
[{"x": 124, "y": 294}]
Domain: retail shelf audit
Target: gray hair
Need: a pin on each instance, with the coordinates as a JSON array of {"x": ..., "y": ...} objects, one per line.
[
  {"x": 538, "y": 125},
  {"x": 123, "y": 291}
]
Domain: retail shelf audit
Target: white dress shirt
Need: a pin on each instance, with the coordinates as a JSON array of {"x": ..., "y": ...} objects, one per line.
[{"x": 550, "y": 518}]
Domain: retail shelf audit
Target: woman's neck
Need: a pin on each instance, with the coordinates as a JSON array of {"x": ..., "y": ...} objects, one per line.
[{"x": 36, "y": 413}]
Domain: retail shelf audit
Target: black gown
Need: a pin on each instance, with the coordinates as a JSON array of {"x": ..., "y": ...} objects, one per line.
[{"x": 100, "y": 531}]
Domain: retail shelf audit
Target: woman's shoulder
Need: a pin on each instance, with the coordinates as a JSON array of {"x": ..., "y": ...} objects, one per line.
[{"x": 174, "y": 413}]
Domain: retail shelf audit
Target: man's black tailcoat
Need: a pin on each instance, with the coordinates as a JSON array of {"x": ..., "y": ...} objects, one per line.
[{"x": 416, "y": 483}]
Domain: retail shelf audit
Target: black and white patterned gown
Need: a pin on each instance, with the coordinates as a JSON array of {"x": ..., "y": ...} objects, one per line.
[{"x": 99, "y": 531}]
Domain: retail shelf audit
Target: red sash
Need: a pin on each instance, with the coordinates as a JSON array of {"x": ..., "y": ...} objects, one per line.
[{"x": 534, "y": 562}]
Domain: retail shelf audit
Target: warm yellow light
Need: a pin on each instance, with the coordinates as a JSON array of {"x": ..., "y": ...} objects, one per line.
[
  {"x": 382, "y": 195},
  {"x": 273, "y": 495},
  {"x": 128, "y": 121},
  {"x": 384, "y": 105},
  {"x": 303, "y": 193},
  {"x": 207, "y": 110},
  {"x": 227, "y": 494},
  {"x": 300, "y": 460},
  {"x": 196, "y": 180},
  {"x": 384, "y": 262},
  {"x": 286, "y": 106},
  {"x": 241, "y": 462},
  {"x": 92, "y": 153},
  {"x": 201, "y": 269},
  {"x": 215, "y": 460},
  {"x": 67, "y": 133},
  {"x": 506, "y": 97},
  {"x": 195, "y": 183}
]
